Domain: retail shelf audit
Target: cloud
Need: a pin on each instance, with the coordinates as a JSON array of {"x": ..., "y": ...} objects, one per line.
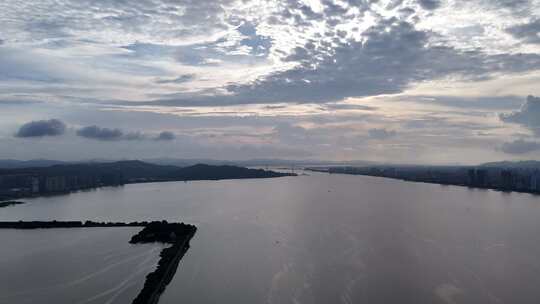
[
  {"x": 345, "y": 106},
  {"x": 177, "y": 80},
  {"x": 41, "y": 128},
  {"x": 528, "y": 115},
  {"x": 291, "y": 134},
  {"x": 165, "y": 135},
  {"x": 116, "y": 134},
  {"x": 258, "y": 45},
  {"x": 99, "y": 133},
  {"x": 134, "y": 136},
  {"x": 243, "y": 46},
  {"x": 430, "y": 4},
  {"x": 295, "y": 62},
  {"x": 520, "y": 146},
  {"x": 114, "y": 20},
  {"x": 392, "y": 56},
  {"x": 527, "y": 32},
  {"x": 315, "y": 53},
  {"x": 381, "y": 134},
  {"x": 518, "y": 8},
  {"x": 493, "y": 102}
]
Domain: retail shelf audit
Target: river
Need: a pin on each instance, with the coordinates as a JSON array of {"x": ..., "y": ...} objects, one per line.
[{"x": 328, "y": 239}]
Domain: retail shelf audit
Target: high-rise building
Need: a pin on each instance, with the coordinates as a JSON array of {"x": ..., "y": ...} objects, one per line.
[
  {"x": 535, "y": 181},
  {"x": 506, "y": 179}
]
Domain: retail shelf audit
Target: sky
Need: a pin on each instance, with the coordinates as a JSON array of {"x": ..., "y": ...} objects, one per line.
[{"x": 403, "y": 81}]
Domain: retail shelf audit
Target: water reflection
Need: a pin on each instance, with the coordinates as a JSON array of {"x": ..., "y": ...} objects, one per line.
[
  {"x": 91, "y": 265},
  {"x": 330, "y": 238}
]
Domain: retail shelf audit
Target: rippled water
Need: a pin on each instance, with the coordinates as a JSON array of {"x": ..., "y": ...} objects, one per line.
[
  {"x": 73, "y": 266},
  {"x": 330, "y": 239}
]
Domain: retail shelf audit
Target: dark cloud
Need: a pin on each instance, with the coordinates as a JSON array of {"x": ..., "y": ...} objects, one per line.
[
  {"x": 430, "y": 4},
  {"x": 381, "y": 134},
  {"x": 528, "y": 32},
  {"x": 116, "y": 134},
  {"x": 393, "y": 56},
  {"x": 165, "y": 135},
  {"x": 99, "y": 133},
  {"x": 177, "y": 80},
  {"x": 520, "y": 146},
  {"x": 40, "y": 128},
  {"x": 528, "y": 115}
]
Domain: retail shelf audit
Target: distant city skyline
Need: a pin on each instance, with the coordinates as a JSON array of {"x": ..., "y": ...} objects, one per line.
[{"x": 400, "y": 81}]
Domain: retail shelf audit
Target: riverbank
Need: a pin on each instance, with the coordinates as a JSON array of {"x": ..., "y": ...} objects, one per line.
[
  {"x": 425, "y": 180},
  {"x": 65, "y": 179}
]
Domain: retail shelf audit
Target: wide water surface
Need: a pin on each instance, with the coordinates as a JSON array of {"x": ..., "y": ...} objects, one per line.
[
  {"x": 329, "y": 239},
  {"x": 73, "y": 266}
]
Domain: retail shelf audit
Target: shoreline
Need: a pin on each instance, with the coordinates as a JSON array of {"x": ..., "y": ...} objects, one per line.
[
  {"x": 4, "y": 199},
  {"x": 503, "y": 190}
]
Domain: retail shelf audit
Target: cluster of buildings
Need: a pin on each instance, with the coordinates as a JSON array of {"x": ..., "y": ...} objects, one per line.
[
  {"x": 525, "y": 180},
  {"x": 507, "y": 179},
  {"x": 28, "y": 184}
]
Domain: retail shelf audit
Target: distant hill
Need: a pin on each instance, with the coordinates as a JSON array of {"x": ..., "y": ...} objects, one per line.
[
  {"x": 251, "y": 162},
  {"x": 525, "y": 164},
  {"x": 179, "y": 162},
  {"x": 209, "y": 172},
  {"x": 129, "y": 169},
  {"x": 133, "y": 169},
  {"x": 14, "y": 164}
]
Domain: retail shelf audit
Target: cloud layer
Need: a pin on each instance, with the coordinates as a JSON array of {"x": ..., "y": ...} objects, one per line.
[{"x": 399, "y": 80}]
